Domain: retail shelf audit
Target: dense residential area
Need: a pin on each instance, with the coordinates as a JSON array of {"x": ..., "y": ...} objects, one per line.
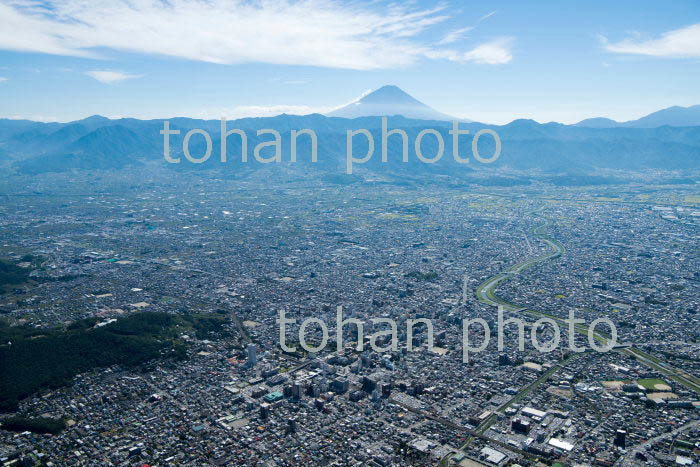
[
  {"x": 367, "y": 233},
  {"x": 223, "y": 262}
]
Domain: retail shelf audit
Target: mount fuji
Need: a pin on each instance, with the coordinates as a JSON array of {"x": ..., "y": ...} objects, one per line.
[{"x": 387, "y": 101}]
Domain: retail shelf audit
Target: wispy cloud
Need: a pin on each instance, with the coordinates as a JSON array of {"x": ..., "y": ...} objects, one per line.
[
  {"x": 495, "y": 52},
  {"x": 454, "y": 36},
  {"x": 110, "y": 77},
  {"x": 325, "y": 33},
  {"x": 243, "y": 111},
  {"x": 2, "y": 79},
  {"x": 34, "y": 118},
  {"x": 487, "y": 16},
  {"x": 679, "y": 43}
]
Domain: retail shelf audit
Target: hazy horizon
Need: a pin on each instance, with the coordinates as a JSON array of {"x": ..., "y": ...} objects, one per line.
[{"x": 493, "y": 65}]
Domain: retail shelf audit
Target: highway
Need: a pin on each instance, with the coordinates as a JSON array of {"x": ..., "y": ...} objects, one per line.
[
  {"x": 486, "y": 292},
  {"x": 630, "y": 459}
]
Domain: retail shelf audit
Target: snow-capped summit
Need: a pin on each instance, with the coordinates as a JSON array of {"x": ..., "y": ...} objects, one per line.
[{"x": 387, "y": 101}]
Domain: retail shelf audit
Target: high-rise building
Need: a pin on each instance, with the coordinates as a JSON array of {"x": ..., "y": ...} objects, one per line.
[
  {"x": 340, "y": 385},
  {"x": 386, "y": 390},
  {"x": 264, "y": 410},
  {"x": 252, "y": 355},
  {"x": 296, "y": 390},
  {"x": 314, "y": 390},
  {"x": 368, "y": 384},
  {"x": 520, "y": 426},
  {"x": 620, "y": 438},
  {"x": 320, "y": 404}
]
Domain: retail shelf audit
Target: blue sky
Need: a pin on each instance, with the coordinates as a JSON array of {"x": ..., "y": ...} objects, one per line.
[{"x": 550, "y": 61}]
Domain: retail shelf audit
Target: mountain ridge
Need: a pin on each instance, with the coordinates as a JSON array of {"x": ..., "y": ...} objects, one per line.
[
  {"x": 527, "y": 145},
  {"x": 100, "y": 143},
  {"x": 676, "y": 115},
  {"x": 389, "y": 100}
]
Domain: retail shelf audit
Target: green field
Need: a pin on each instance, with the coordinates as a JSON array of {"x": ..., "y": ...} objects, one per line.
[{"x": 650, "y": 383}]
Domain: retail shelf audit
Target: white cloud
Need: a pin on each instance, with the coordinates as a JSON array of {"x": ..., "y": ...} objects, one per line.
[
  {"x": 679, "y": 43},
  {"x": 454, "y": 36},
  {"x": 26, "y": 30},
  {"x": 495, "y": 52},
  {"x": 243, "y": 111},
  {"x": 34, "y": 118},
  {"x": 2, "y": 79},
  {"x": 326, "y": 33},
  {"x": 487, "y": 16},
  {"x": 110, "y": 77}
]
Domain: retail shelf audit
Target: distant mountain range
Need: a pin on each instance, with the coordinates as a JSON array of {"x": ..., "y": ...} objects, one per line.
[
  {"x": 386, "y": 101},
  {"x": 659, "y": 142},
  {"x": 672, "y": 116},
  {"x": 391, "y": 100}
]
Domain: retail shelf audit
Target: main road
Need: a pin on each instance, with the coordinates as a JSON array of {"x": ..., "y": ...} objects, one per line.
[{"x": 486, "y": 293}]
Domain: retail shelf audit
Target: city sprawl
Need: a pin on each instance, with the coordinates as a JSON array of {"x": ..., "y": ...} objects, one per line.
[{"x": 233, "y": 255}]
